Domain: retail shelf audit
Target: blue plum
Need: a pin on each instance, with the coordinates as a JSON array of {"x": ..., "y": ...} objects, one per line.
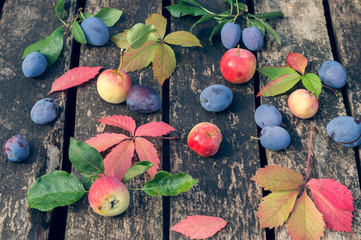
[
  {"x": 230, "y": 35},
  {"x": 95, "y": 31},
  {"x": 275, "y": 138},
  {"x": 332, "y": 74},
  {"x": 216, "y": 98},
  {"x": 44, "y": 111},
  {"x": 34, "y": 64},
  {"x": 16, "y": 149},
  {"x": 143, "y": 99},
  {"x": 345, "y": 130},
  {"x": 267, "y": 115},
  {"x": 252, "y": 38}
]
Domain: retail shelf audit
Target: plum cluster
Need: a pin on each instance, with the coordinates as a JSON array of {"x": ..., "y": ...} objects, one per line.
[
  {"x": 272, "y": 136},
  {"x": 345, "y": 130}
]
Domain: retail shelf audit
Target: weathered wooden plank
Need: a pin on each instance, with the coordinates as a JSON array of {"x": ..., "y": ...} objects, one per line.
[
  {"x": 303, "y": 30},
  {"x": 224, "y": 189},
  {"x": 144, "y": 217},
  {"x": 23, "y": 23}
]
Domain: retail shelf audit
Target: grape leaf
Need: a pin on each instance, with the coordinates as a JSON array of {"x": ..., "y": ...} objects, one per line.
[
  {"x": 109, "y": 16},
  {"x": 147, "y": 152},
  {"x": 297, "y": 61},
  {"x": 279, "y": 85},
  {"x": 137, "y": 59},
  {"x": 78, "y": 33},
  {"x": 138, "y": 34},
  {"x": 136, "y": 169},
  {"x": 53, "y": 45},
  {"x": 199, "y": 226},
  {"x": 154, "y": 129},
  {"x": 313, "y": 83},
  {"x": 166, "y": 184},
  {"x": 74, "y": 77},
  {"x": 306, "y": 221},
  {"x": 181, "y": 9},
  {"x": 119, "y": 160},
  {"x": 275, "y": 208},
  {"x": 85, "y": 159},
  {"x": 125, "y": 122},
  {"x": 54, "y": 189},
  {"x": 277, "y": 178},
  {"x": 102, "y": 142},
  {"x": 275, "y": 72},
  {"x": 164, "y": 63},
  {"x": 59, "y": 9},
  {"x": 182, "y": 38},
  {"x": 121, "y": 40},
  {"x": 160, "y": 24},
  {"x": 334, "y": 201}
]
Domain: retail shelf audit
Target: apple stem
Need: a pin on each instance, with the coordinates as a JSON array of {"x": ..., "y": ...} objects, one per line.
[
  {"x": 121, "y": 61},
  {"x": 314, "y": 90},
  {"x": 238, "y": 49},
  {"x": 333, "y": 90},
  {"x": 211, "y": 134},
  {"x": 309, "y": 153},
  {"x": 255, "y": 138}
]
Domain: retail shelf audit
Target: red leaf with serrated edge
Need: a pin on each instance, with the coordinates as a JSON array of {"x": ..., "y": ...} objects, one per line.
[
  {"x": 297, "y": 62},
  {"x": 74, "y": 77},
  {"x": 334, "y": 201},
  {"x": 147, "y": 152},
  {"x": 119, "y": 160},
  {"x": 154, "y": 129},
  {"x": 103, "y": 141},
  {"x": 306, "y": 221},
  {"x": 199, "y": 227},
  {"x": 277, "y": 178},
  {"x": 125, "y": 122}
]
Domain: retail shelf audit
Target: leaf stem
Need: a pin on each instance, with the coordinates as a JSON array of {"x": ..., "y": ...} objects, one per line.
[
  {"x": 333, "y": 90},
  {"x": 135, "y": 189},
  {"x": 120, "y": 61},
  {"x": 309, "y": 153},
  {"x": 255, "y": 138},
  {"x": 235, "y": 18},
  {"x": 151, "y": 137}
]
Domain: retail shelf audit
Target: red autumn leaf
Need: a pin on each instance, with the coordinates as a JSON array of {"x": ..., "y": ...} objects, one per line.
[
  {"x": 147, "y": 152},
  {"x": 297, "y": 61},
  {"x": 277, "y": 178},
  {"x": 154, "y": 129},
  {"x": 119, "y": 160},
  {"x": 306, "y": 221},
  {"x": 334, "y": 201},
  {"x": 102, "y": 142},
  {"x": 125, "y": 122},
  {"x": 199, "y": 227},
  {"x": 74, "y": 77}
]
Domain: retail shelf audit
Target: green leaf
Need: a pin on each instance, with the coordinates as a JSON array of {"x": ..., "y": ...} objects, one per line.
[
  {"x": 275, "y": 72},
  {"x": 215, "y": 30},
  {"x": 269, "y": 15},
  {"x": 166, "y": 184},
  {"x": 78, "y": 33},
  {"x": 139, "y": 34},
  {"x": 241, "y": 6},
  {"x": 53, "y": 45},
  {"x": 137, "y": 169},
  {"x": 181, "y": 9},
  {"x": 86, "y": 15},
  {"x": 121, "y": 40},
  {"x": 54, "y": 189},
  {"x": 160, "y": 24},
  {"x": 164, "y": 62},
  {"x": 203, "y": 19},
  {"x": 35, "y": 47},
  {"x": 182, "y": 38},
  {"x": 252, "y": 22},
  {"x": 109, "y": 16},
  {"x": 85, "y": 159},
  {"x": 88, "y": 180},
  {"x": 194, "y": 3},
  {"x": 269, "y": 29},
  {"x": 59, "y": 9},
  {"x": 280, "y": 85},
  {"x": 313, "y": 83}
]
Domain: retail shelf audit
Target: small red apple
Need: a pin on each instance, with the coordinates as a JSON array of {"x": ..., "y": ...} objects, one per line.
[
  {"x": 303, "y": 104},
  {"x": 238, "y": 65},
  {"x": 204, "y": 139},
  {"x": 108, "y": 196},
  {"x": 113, "y": 86}
]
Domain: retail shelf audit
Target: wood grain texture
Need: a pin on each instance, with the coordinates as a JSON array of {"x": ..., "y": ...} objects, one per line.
[
  {"x": 23, "y": 23},
  {"x": 144, "y": 217},
  {"x": 224, "y": 189},
  {"x": 303, "y": 30}
]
